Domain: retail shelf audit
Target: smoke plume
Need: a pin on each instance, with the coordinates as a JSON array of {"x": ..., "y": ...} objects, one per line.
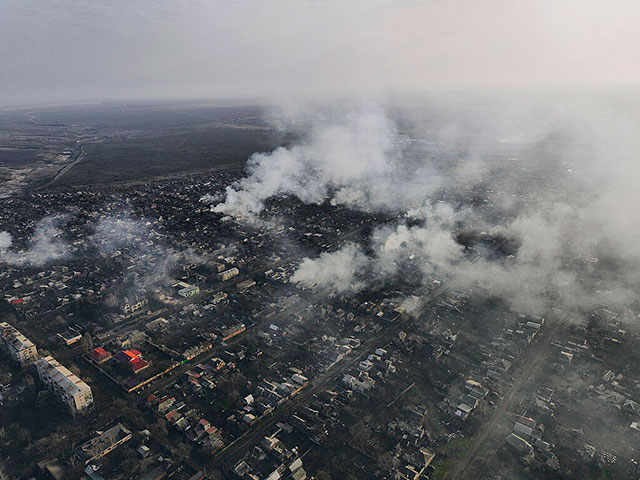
[
  {"x": 5, "y": 240},
  {"x": 352, "y": 159},
  {"x": 44, "y": 246},
  {"x": 339, "y": 271},
  {"x": 545, "y": 192}
]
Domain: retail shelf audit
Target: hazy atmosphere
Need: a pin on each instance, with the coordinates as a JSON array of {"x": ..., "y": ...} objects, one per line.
[
  {"x": 291, "y": 240},
  {"x": 71, "y": 51}
]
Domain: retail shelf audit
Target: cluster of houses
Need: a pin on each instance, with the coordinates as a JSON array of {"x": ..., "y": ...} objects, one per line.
[
  {"x": 466, "y": 401},
  {"x": 195, "y": 427},
  {"x": 271, "y": 460},
  {"x": 527, "y": 440}
]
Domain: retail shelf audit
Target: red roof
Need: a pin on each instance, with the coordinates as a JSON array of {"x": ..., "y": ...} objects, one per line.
[
  {"x": 17, "y": 301},
  {"x": 99, "y": 354},
  {"x": 138, "y": 364},
  {"x": 132, "y": 353},
  {"x": 171, "y": 414},
  {"x": 133, "y": 359}
]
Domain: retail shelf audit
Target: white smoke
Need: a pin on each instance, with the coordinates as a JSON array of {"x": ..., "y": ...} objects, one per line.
[
  {"x": 411, "y": 305},
  {"x": 339, "y": 271},
  {"x": 434, "y": 249},
  {"x": 352, "y": 160},
  {"x": 112, "y": 233},
  {"x": 155, "y": 259},
  {"x": 5, "y": 240},
  {"x": 209, "y": 198},
  {"x": 574, "y": 233},
  {"x": 46, "y": 245}
]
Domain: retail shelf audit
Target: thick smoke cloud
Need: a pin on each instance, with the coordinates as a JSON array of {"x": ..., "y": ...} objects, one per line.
[
  {"x": 559, "y": 184},
  {"x": 208, "y": 198},
  {"x": 550, "y": 257},
  {"x": 340, "y": 271},
  {"x": 112, "y": 233},
  {"x": 354, "y": 160},
  {"x": 432, "y": 248}
]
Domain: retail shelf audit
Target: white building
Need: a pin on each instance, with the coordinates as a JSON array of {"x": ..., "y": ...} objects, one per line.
[
  {"x": 16, "y": 344},
  {"x": 229, "y": 274},
  {"x": 185, "y": 290},
  {"x": 188, "y": 291},
  {"x": 67, "y": 386},
  {"x": 362, "y": 384}
]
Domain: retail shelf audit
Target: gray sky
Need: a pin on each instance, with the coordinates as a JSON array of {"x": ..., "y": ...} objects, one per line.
[{"x": 69, "y": 51}]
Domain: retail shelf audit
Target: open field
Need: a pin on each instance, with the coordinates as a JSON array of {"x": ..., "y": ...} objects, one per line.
[{"x": 106, "y": 143}]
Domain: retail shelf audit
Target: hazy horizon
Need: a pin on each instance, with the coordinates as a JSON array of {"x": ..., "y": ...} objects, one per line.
[{"x": 69, "y": 51}]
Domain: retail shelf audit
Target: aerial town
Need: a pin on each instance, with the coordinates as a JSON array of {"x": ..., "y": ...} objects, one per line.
[
  {"x": 146, "y": 336},
  {"x": 319, "y": 240}
]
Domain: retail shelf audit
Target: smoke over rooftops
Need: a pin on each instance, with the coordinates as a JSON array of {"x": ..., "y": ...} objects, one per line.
[{"x": 562, "y": 191}]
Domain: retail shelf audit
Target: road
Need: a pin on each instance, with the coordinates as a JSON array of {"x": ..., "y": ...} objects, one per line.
[
  {"x": 491, "y": 434},
  {"x": 236, "y": 450},
  {"x": 64, "y": 170},
  {"x": 138, "y": 321},
  {"x": 231, "y": 454}
]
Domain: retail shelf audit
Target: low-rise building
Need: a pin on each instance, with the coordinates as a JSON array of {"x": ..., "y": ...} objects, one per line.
[
  {"x": 186, "y": 290},
  {"x": 132, "y": 358},
  {"x": 17, "y": 345},
  {"x": 360, "y": 384},
  {"x": 157, "y": 324},
  {"x": 99, "y": 355},
  {"x": 524, "y": 426},
  {"x": 229, "y": 333},
  {"x": 66, "y": 385},
  {"x": 104, "y": 443},
  {"x": 229, "y": 274},
  {"x": 476, "y": 389},
  {"x": 70, "y": 336},
  {"x": 133, "y": 306},
  {"x": 519, "y": 444},
  {"x": 246, "y": 284}
]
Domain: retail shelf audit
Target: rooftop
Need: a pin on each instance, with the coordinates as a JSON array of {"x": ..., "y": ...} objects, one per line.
[
  {"x": 12, "y": 336},
  {"x": 62, "y": 376},
  {"x": 98, "y": 446}
]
